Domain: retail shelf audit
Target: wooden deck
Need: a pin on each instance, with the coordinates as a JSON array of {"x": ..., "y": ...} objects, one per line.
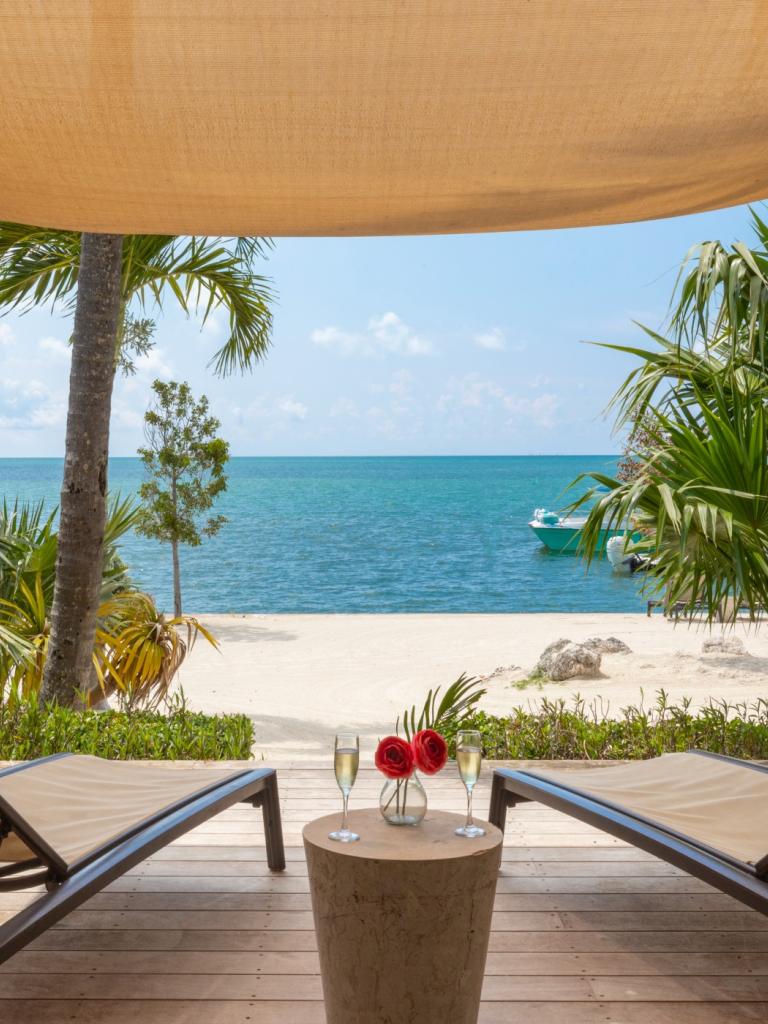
[{"x": 586, "y": 931}]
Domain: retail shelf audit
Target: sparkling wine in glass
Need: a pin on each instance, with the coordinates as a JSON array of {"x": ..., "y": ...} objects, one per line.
[
  {"x": 346, "y": 757},
  {"x": 469, "y": 757}
]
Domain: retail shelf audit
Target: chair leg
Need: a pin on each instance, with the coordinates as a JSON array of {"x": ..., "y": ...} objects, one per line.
[
  {"x": 497, "y": 812},
  {"x": 273, "y": 828}
]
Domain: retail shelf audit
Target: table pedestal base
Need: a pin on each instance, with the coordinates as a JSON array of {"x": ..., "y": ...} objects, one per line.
[{"x": 403, "y": 921}]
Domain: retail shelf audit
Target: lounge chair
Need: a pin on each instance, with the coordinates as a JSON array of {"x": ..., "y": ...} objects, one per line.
[
  {"x": 74, "y": 823},
  {"x": 705, "y": 813}
]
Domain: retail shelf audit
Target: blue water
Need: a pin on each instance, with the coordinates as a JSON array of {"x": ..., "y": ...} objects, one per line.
[{"x": 369, "y": 535}]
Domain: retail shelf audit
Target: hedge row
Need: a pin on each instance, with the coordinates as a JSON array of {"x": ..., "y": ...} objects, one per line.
[
  {"x": 28, "y": 731},
  {"x": 554, "y": 730}
]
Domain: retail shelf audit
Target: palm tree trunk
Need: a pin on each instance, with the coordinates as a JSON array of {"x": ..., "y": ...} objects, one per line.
[
  {"x": 176, "y": 579},
  {"x": 68, "y": 668}
]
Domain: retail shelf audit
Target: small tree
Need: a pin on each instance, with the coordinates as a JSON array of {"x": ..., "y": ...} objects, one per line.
[{"x": 185, "y": 461}]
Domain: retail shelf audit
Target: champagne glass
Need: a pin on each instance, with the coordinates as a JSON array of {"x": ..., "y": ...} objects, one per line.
[
  {"x": 346, "y": 757},
  {"x": 469, "y": 756}
]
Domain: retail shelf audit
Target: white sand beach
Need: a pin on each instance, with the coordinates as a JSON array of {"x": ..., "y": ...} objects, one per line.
[{"x": 300, "y": 677}]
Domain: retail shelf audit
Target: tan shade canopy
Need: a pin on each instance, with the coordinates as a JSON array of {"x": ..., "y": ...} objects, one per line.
[{"x": 356, "y": 117}]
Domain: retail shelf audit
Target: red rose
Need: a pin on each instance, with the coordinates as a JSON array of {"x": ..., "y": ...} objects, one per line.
[
  {"x": 430, "y": 751},
  {"x": 394, "y": 757}
]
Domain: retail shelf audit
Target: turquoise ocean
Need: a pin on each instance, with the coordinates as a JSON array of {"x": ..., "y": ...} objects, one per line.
[{"x": 393, "y": 534}]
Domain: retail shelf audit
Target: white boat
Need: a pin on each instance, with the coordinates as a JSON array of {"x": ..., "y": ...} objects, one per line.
[{"x": 561, "y": 533}]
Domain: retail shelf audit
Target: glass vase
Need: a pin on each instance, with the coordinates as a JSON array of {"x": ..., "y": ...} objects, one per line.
[{"x": 403, "y": 801}]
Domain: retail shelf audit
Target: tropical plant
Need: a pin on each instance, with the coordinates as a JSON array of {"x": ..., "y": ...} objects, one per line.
[
  {"x": 698, "y": 497},
  {"x": 458, "y": 701},
  {"x": 28, "y": 549},
  {"x": 555, "y": 730},
  {"x": 716, "y": 330},
  {"x": 110, "y": 275},
  {"x": 139, "y": 651},
  {"x": 185, "y": 461}
]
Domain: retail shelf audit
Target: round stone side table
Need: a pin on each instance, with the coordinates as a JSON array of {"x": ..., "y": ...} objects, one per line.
[{"x": 402, "y": 918}]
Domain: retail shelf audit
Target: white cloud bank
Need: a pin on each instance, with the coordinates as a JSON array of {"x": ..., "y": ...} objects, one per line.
[
  {"x": 30, "y": 405},
  {"x": 385, "y": 334},
  {"x": 475, "y": 392}
]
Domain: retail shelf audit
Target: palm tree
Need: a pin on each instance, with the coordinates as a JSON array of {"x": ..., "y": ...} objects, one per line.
[
  {"x": 718, "y": 330},
  {"x": 105, "y": 274},
  {"x": 700, "y": 500}
]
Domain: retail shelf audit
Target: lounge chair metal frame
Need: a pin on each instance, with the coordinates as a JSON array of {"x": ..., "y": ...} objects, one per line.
[
  {"x": 745, "y": 882},
  {"x": 69, "y": 886}
]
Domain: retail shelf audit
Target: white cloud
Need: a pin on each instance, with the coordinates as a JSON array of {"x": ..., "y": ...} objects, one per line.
[
  {"x": 540, "y": 410},
  {"x": 30, "y": 405},
  {"x": 540, "y": 380},
  {"x": 393, "y": 335},
  {"x": 344, "y": 408},
  {"x": 124, "y": 415},
  {"x": 293, "y": 409},
  {"x": 380, "y": 421},
  {"x": 401, "y": 384},
  {"x": 212, "y": 325},
  {"x": 153, "y": 364},
  {"x": 56, "y": 347},
  {"x": 149, "y": 367},
  {"x": 273, "y": 412},
  {"x": 385, "y": 334},
  {"x": 7, "y": 336},
  {"x": 493, "y": 340},
  {"x": 475, "y": 392},
  {"x": 333, "y": 337}
]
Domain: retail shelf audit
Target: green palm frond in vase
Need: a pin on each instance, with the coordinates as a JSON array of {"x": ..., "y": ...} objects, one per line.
[{"x": 457, "y": 702}]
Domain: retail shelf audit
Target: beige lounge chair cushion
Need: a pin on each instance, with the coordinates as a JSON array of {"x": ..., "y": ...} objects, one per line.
[
  {"x": 79, "y": 803},
  {"x": 714, "y": 802}
]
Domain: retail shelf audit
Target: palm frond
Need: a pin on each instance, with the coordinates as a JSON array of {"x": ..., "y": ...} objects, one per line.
[
  {"x": 139, "y": 651},
  {"x": 40, "y": 266},
  {"x": 457, "y": 702},
  {"x": 37, "y": 266},
  {"x": 206, "y": 274},
  {"x": 700, "y": 506}
]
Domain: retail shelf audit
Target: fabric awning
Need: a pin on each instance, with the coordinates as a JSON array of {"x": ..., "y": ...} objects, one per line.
[{"x": 356, "y": 117}]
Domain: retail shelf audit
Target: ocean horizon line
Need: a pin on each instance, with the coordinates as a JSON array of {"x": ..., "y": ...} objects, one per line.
[{"x": 474, "y": 455}]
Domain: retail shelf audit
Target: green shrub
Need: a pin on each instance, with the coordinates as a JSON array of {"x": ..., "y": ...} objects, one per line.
[
  {"x": 555, "y": 731},
  {"x": 28, "y": 731}
]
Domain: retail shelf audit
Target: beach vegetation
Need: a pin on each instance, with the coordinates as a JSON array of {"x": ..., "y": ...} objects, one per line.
[
  {"x": 559, "y": 730},
  {"x": 105, "y": 278},
  {"x": 697, "y": 493},
  {"x": 29, "y": 730},
  {"x": 184, "y": 459},
  {"x": 136, "y": 652}
]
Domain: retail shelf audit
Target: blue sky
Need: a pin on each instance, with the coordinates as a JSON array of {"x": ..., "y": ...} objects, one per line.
[{"x": 463, "y": 344}]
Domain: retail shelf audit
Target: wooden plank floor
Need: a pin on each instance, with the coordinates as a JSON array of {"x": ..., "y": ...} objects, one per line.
[{"x": 586, "y": 930}]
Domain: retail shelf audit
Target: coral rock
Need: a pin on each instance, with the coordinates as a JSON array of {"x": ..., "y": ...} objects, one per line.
[
  {"x": 609, "y": 645},
  {"x": 723, "y": 645},
  {"x": 566, "y": 660}
]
